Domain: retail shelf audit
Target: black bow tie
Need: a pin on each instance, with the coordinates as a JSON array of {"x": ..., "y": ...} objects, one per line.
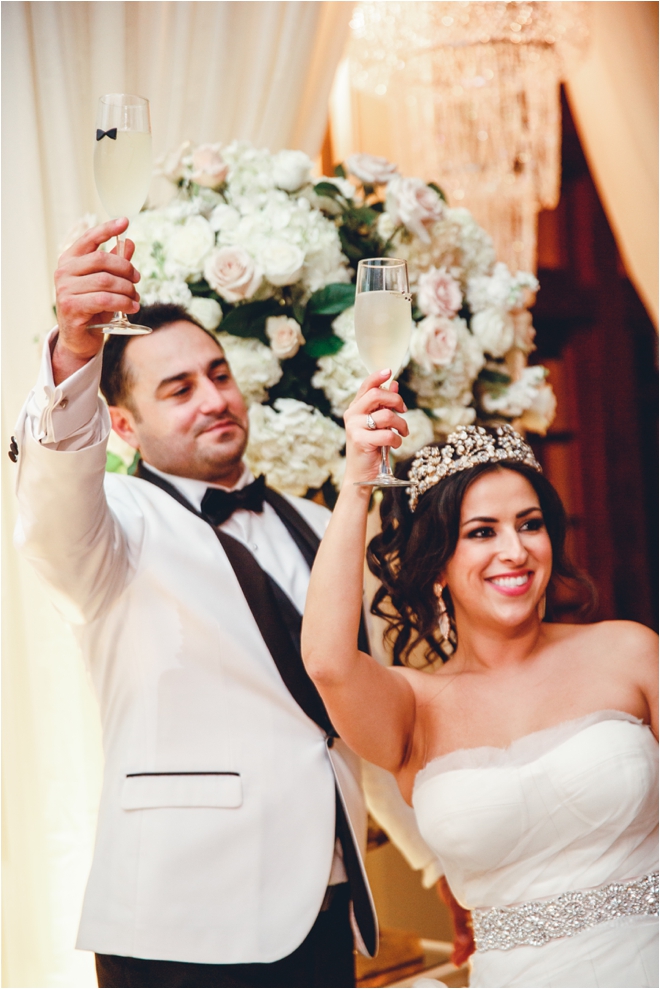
[
  {"x": 218, "y": 505},
  {"x": 112, "y": 134}
]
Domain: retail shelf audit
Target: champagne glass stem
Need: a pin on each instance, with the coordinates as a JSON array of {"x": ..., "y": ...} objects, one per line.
[
  {"x": 121, "y": 246},
  {"x": 385, "y": 461}
]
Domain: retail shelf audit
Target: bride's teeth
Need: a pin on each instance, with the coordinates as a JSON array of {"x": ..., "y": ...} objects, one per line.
[{"x": 511, "y": 581}]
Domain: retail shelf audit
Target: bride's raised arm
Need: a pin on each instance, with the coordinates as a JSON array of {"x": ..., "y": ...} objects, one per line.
[{"x": 372, "y": 707}]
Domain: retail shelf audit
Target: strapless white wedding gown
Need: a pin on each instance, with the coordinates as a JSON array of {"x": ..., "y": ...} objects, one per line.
[{"x": 568, "y": 808}]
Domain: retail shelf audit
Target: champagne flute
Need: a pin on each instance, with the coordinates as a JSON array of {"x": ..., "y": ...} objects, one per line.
[
  {"x": 122, "y": 170},
  {"x": 383, "y": 323}
]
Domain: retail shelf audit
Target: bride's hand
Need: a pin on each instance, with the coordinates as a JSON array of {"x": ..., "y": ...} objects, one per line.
[{"x": 363, "y": 443}]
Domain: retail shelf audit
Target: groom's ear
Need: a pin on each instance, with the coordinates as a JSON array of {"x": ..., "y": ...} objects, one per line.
[{"x": 123, "y": 423}]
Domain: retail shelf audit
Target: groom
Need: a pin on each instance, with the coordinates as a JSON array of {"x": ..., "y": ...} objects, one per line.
[{"x": 231, "y": 825}]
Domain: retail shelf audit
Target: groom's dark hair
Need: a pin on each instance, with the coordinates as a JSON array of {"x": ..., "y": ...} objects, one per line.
[{"x": 116, "y": 381}]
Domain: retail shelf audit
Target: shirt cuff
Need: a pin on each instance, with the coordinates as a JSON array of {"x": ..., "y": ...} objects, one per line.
[{"x": 59, "y": 412}]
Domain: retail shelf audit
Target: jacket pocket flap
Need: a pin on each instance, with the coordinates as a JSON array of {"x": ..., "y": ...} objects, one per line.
[{"x": 181, "y": 790}]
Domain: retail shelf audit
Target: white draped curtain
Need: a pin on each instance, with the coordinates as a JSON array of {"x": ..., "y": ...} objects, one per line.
[{"x": 212, "y": 71}]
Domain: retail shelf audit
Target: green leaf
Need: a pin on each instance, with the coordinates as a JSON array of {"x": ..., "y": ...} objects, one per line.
[
  {"x": 327, "y": 189},
  {"x": 340, "y": 171},
  {"x": 323, "y": 346},
  {"x": 363, "y": 215},
  {"x": 332, "y": 299},
  {"x": 436, "y": 188},
  {"x": 298, "y": 312},
  {"x": 114, "y": 464},
  {"x": 495, "y": 377},
  {"x": 249, "y": 319}
]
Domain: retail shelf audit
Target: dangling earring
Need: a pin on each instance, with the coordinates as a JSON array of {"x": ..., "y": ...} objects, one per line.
[
  {"x": 444, "y": 622},
  {"x": 540, "y": 608}
]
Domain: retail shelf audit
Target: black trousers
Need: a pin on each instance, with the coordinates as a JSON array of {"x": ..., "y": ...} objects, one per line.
[{"x": 325, "y": 958}]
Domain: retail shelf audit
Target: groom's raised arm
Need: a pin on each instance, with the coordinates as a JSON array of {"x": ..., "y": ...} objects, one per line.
[{"x": 65, "y": 526}]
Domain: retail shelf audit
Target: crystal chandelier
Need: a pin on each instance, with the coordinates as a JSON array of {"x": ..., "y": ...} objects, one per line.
[{"x": 473, "y": 91}]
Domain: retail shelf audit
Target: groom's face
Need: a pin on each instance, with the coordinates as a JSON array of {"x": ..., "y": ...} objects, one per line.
[{"x": 184, "y": 411}]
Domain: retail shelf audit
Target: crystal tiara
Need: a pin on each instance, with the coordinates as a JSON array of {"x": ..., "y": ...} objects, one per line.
[{"x": 465, "y": 448}]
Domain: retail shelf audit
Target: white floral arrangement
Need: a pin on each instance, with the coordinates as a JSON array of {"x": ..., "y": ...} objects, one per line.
[{"x": 264, "y": 256}]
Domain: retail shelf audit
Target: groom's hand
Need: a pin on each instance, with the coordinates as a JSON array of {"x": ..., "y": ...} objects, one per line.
[{"x": 91, "y": 285}]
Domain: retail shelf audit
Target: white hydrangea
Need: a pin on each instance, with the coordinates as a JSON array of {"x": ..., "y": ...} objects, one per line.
[
  {"x": 253, "y": 365},
  {"x": 421, "y": 433},
  {"x": 447, "y": 418},
  {"x": 517, "y": 397},
  {"x": 293, "y": 444},
  {"x": 171, "y": 290},
  {"x": 500, "y": 289},
  {"x": 340, "y": 375},
  {"x": 188, "y": 245}
]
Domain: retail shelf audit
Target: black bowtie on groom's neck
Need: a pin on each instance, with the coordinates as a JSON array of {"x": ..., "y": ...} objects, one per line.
[{"x": 218, "y": 504}]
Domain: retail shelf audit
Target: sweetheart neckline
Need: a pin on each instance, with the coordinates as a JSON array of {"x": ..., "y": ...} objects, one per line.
[{"x": 610, "y": 714}]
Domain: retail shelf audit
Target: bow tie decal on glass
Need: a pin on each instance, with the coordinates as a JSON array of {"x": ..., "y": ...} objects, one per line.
[
  {"x": 112, "y": 134},
  {"x": 218, "y": 505}
]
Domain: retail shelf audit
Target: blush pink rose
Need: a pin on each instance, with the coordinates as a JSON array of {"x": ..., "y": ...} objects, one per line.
[
  {"x": 438, "y": 294},
  {"x": 433, "y": 343},
  {"x": 232, "y": 273},
  {"x": 208, "y": 166},
  {"x": 372, "y": 169},
  {"x": 413, "y": 203}
]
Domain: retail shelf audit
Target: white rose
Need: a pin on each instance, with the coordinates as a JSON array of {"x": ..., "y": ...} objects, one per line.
[
  {"x": 285, "y": 336},
  {"x": 224, "y": 218},
  {"x": 206, "y": 311},
  {"x": 232, "y": 273},
  {"x": 208, "y": 166},
  {"x": 438, "y": 294},
  {"x": 433, "y": 342},
  {"x": 282, "y": 262},
  {"x": 415, "y": 204},
  {"x": 189, "y": 244},
  {"x": 291, "y": 170},
  {"x": 494, "y": 330},
  {"x": 173, "y": 165},
  {"x": 372, "y": 169},
  {"x": 420, "y": 433},
  {"x": 254, "y": 366},
  {"x": 540, "y": 414}
]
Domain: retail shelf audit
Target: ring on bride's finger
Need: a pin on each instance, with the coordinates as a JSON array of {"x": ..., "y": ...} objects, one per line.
[{"x": 370, "y": 421}]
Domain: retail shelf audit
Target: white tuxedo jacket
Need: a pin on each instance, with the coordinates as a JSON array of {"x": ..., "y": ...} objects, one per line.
[{"x": 216, "y": 826}]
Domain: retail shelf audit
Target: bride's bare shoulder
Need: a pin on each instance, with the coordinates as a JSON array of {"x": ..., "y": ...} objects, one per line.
[{"x": 611, "y": 638}]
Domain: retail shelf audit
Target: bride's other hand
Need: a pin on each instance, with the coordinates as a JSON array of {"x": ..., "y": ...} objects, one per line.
[{"x": 363, "y": 443}]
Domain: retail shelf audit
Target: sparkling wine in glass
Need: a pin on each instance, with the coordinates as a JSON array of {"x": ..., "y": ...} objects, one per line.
[
  {"x": 122, "y": 170},
  {"x": 383, "y": 323}
]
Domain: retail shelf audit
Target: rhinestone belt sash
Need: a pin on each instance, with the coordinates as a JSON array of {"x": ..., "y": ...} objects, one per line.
[{"x": 540, "y": 921}]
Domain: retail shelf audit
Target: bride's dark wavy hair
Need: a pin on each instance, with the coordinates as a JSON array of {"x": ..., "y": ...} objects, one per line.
[{"x": 413, "y": 548}]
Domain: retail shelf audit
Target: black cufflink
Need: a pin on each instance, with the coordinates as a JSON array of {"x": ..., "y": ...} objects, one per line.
[{"x": 13, "y": 450}]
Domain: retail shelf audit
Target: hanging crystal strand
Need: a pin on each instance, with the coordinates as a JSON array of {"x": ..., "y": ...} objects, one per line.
[{"x": 476, "y": 87}]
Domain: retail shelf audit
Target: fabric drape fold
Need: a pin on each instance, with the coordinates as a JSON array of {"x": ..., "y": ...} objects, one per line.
[{"x": 213, "y": 72}]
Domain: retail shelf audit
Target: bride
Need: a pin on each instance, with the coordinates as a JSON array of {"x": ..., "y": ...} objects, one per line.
[{"x": 529, "y": 756}]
